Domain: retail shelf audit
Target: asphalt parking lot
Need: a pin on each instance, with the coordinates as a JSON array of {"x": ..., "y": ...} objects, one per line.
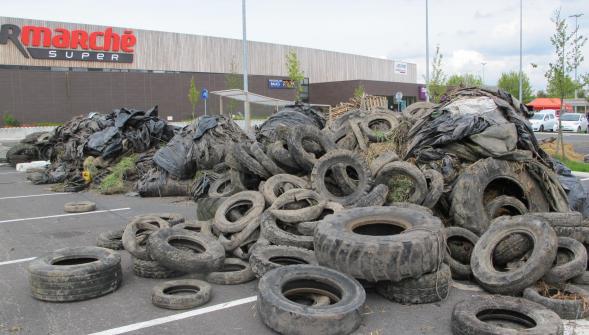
[
  {"x": 32, "y": 222},
  {"x": 579, "y": 141}
]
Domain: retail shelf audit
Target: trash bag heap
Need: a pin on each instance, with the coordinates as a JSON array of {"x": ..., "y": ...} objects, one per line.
[
  {"x": 104, "y": 138},
  {"x": 319, "y": 208}
]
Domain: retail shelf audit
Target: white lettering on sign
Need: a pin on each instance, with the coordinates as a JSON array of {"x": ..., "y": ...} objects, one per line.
[
  {"x": 100, "y": 56},
  {"x": 400, "y": 68},
  {"x": 52, "y": 54},
  {"x": 114, "y": 57}
]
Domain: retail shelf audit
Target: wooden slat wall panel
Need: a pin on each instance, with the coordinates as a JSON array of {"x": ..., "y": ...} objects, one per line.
[{"x": 194, "y": 53}]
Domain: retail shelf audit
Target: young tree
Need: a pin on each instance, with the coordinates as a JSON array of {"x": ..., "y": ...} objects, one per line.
[
  {"x": 233, "y": 80},
  {"x": 437, "y": 84},
  {"x": 509, "y": 82},
  {"x": 466, "y": 80},
  {"x": 193, "y": 97},
  {"x": 567, "y": 86},
  {"x": 295, "y": 73},
  {"x": 359, "y": 91}
]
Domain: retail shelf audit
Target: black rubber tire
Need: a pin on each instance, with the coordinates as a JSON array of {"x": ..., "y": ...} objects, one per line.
[
  {"x": 57, "y": 277},
  {"x": 266, "y": 258},
  {"x": 428, "y": 288},
  {"x": 279, "y": 236},
  {"x": 181, "y": 250},
  {"x": 282, "y": 156},
  {"x": 152, "y": 269},
  {"x": 409, "y": 170},
  {"x": 505, "y": 205},
  {"x": 569, "y": 263},
  {"x": 235, "y": 271},
  {"x": 459, "y": 264},
  {"x": 374, "y": 136},
  {"x": 565, "y": 308},
  {"x": 330, "y": 161},
  {"x": 262, "y": 158},
  {"x": 197, "y": 227},
  {"x": 253, "y": 198},
  {"x": 287, "y": 317},
  {"x": 207, "y": 207},
  {"x": 280, "y": 183},
  {"x": 136, "y": 235},
  {"x": 414, "y": 245},
  {"x": 223, "y": 187},
  {"x": 468, "y": 208},
  {"x": 308, "y": 227},
  {"x": 411, "y": 206},
  {"x": 580, "y": 234},
  {"x": 376, "y": 197},
  {"x": 244, "y": 250},
  {"x": 79, "y": 207},
  {"x": 112, "y": 239},
  {"x": 241, "y": 153},
  {"x": 233, "y": 241},
  {"x": 469, "y": 317},
  {"x": 172, "y": 218},
  {"x": 383, "y": 159},
  {"x": 538, "y": 263},
  {"x": 563, "y": 219},
  {"x": 314, "y": 207},
  {"x": 194, "y": 293},
  {"x": 512, "y": 248},
  {"x": 22, "y": 153},
  {"x": 435, "y": 184},
  {"x": 304, "y": 159}
]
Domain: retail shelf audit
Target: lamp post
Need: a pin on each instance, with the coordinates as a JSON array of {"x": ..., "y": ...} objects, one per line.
[
  {"x": 576, "y": 16},
  {"x": 427, "y": 50},
  {"x": 520, "y": 49},
  {"x": 246, "y": 105}
]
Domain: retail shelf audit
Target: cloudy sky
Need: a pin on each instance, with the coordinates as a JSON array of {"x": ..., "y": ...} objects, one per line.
[{"x": 468, "y": 32}]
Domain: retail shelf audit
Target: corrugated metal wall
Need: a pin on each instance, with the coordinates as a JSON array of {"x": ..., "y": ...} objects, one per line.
[{"x": 193, "y": 53}]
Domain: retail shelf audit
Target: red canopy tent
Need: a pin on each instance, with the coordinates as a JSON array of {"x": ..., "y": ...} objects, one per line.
[{"x": 539, "y": 104}]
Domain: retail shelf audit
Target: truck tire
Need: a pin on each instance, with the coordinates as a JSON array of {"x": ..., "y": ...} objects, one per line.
[
  {"x": 570, "y": 262},
  {"x": 234, "y": 271},
  {"x": 152, "y": 269},
  {"x": 252, "y": 199},
  {"x": 569, "y": 309},
  {"x": 428, "y": 288},
  {"x": 181, "y": 294},
  {"x": 314, "y": 204},
  {"x": 463, "y": 240},
  {"x": 264, "y": 259},
  {"x": 435, "y": 185}
]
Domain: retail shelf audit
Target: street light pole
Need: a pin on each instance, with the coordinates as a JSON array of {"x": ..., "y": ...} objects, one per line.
[
  {"x": 427, "y": 50},
  {"x": 483, "y": 79},
  {"x": 576, "y": 16},
  {"x": 520, "y": 49},
  {"x": 246, "y": 105}
]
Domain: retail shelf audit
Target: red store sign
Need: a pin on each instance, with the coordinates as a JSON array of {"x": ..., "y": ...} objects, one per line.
[{"x": 63, "y": 44}]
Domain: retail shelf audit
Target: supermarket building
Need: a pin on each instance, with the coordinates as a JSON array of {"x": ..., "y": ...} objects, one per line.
[{"x": 51, "y": 71}]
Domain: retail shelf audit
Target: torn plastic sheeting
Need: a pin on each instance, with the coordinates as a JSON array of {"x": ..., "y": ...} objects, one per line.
[
  {"x": 204, "y": 123},
  {"x": 176, "y": 156},
  {"x": 576, "y": 193},
  {"x": 291, "y": 116},
  {"x": 158, "y": 184},
  {"x": 105, "y": 143}
]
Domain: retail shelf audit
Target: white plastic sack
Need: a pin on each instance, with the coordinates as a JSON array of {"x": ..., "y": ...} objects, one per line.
[{"x": 24, "y": 167}]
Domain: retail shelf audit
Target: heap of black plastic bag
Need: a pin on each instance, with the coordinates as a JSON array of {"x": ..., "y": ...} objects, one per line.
[{"x": 291, "y": 116}]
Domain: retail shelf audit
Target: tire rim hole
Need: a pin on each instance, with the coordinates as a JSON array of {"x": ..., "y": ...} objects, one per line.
[
  {"x": 287, "y": 260},
  {"x": 224, "y": 186},
  {"x": 187, "y": 245},
  {"x": 563, "y": 255},
  {"x": 232, "y": 267},
  {"x": 304, "y": 291},
  {"x": 506, "y": 318},
  {"x": 378, "y": 228},
  {"x": 379, "y": 125},
  {"x": 195, "y": 229},
  {"x": 460, "y": 249},
  {"x": 181, "y": 290},
  {"x": 520, "y": 245},
  {"x": 309, "y": 144},
  {"x": 504, "y": 186},
  {"x": 299, "y": 204},
  {"x": 287, "y": 227},
  {"x": 74, "y": 260},
  {"x": 239, "y": 210},
  {"x": 506, "y": 210}
]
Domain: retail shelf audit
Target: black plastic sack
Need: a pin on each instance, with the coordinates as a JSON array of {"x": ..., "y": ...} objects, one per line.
[
  {"x": 175, "y": 157},
  {"x": 159, "y": 184},
  {"x": 291, "y": 117},
  {"x": 576, "y": 193},
  {"x": 204, "y": 123},
  {"x": 106, "y": 143}
]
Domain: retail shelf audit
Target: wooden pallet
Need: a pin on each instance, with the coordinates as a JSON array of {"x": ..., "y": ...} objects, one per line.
[{"x": 368, "y": 102}]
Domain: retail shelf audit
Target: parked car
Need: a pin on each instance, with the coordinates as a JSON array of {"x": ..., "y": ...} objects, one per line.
[
  {"x": 544, "y": 122},
  {"x": 574, "y": 122}
]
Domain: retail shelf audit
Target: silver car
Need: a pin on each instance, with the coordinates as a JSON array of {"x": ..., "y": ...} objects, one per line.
[{"x": 576, "y": 122}]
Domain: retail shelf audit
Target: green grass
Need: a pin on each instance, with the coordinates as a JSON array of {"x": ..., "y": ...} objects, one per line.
[
  {"x": 115, "y": 181},
  {"x": 400, "y": 188},
  {"x": 574, "y": 165}
]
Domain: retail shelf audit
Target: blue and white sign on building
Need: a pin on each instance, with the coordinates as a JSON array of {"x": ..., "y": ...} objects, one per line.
[{"x": 280, "y": 83}]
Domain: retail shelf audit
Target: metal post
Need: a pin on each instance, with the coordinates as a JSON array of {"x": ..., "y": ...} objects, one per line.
[
  {"x": 221, "y": 105},
  {"x": 205, "y": 107},
  {"x": 576, "y": 16},
  {"x": 246, "y": 106},
  {"x": 521, "y": 6},
  {"x": 427, "y": 50},
  {"x": 483, "y": 76}
]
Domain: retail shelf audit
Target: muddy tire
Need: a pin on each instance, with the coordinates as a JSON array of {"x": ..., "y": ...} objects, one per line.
[
  {"x": 570, "y": 262},
  {"x": 412, "y": 206},
  {"x": 282, "y": 156},
  {"x": 428, "y": 288},
  {"x": 79, "y": 207},
  {"x": 280, "y": 288},
  {"x": 172, "y": 218},
  {"x": 435, "y": 186},
  {"x": 516, "y": 280},
  {"x": 380, "y": 243},
  {"x": 235, "y": 271},
  {"x": 181, "y": 294},
  {"x": 505, "y": 205},
  {"x": 197, "y": 227},
  {"x": 471, "y": 316},
  {"x": 565, "y": 308},
  {"x": 461, "y": 240},
  {"x": 152, "y": 269},
  {"x": 207, "y": 207},
  {"x": 223, "y": 187},
  {"x": 409, "y": 170},
  {"x": 276, "y": 232},
  {"x": 376, "y": 197},
  {"x": 22, "y": 153},
  {"x": 264, "y": 160},
  {"x": 313, "y": 208},
  {"x": 379, "y": 136},
  {"x": 280, "y": 183},
  {"x": 562, "y": 219},
  {"x": 136, "y": 235},
  {"x": 112, "y": 239},
  {"x": 255, "y": 201},
  {"x": 382, "y": 160},
  {"x": 307, "y": 160},
  {"x": 308, "y": 227},
  {"x": 492, "y": 175},
  {"x": 181, "y": 250},
  {"x": 74, "y": 274},
  {"x": 241, "y": 153},
  {"x": 331, "y": 161},
  {"x": 264, "y": 259}
]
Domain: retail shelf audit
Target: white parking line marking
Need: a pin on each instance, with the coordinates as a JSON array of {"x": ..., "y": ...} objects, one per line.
[
  {"x": 175, "y": 317},
  {"x": 35, "y": 195},
  {"x": 17, "y": 261},
  {"x": 69, "y": 214}
]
